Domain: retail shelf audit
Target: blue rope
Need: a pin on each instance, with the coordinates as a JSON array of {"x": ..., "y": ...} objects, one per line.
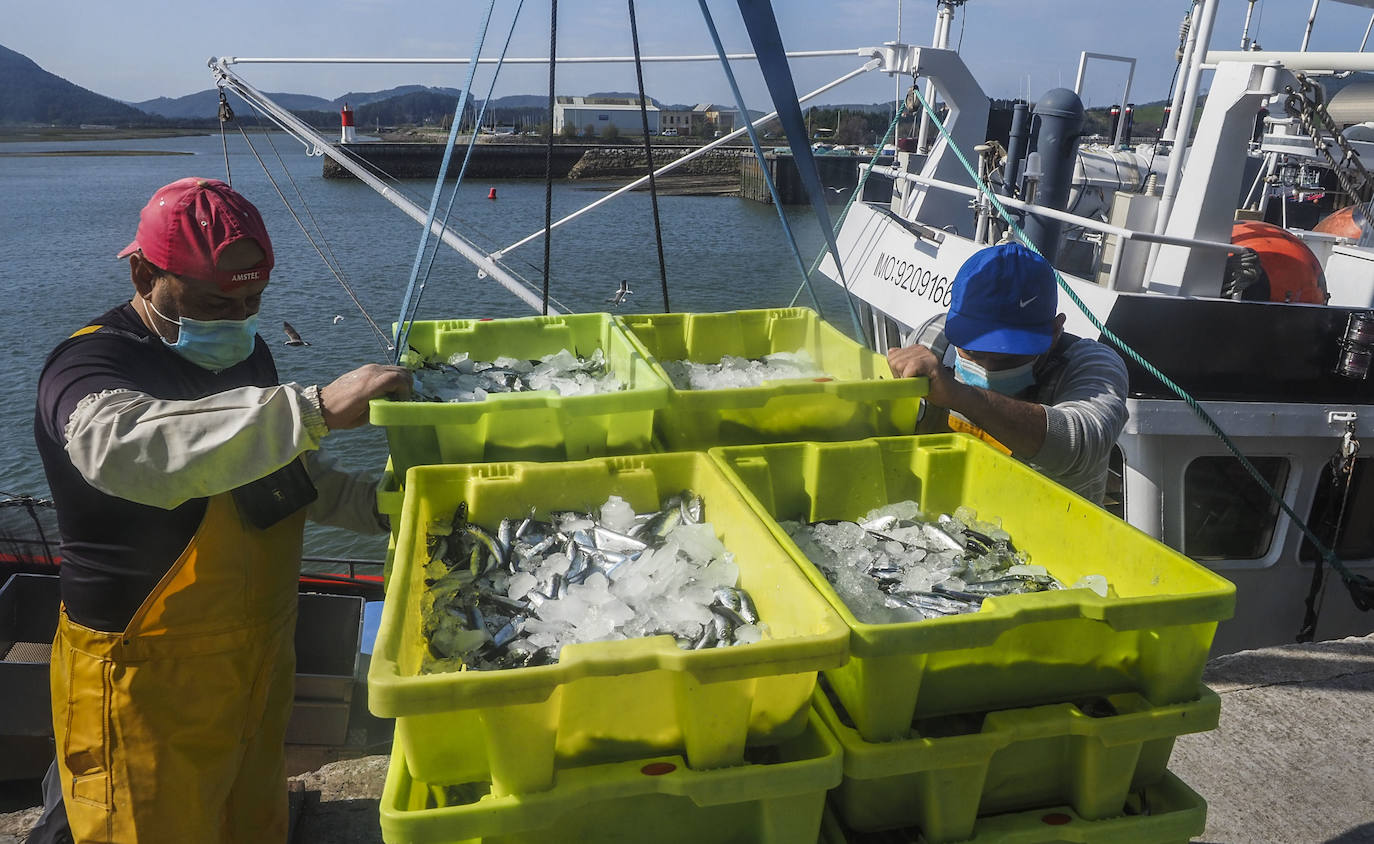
[
  {"x": 467, "y": 157},
  {"x": 758, "y": 153},
  {"x": 1361, "y": 588},
  {"x": 854, "y": 197},
  {"x": 402, "y": 325},
  {"x": 762, "y": 26}
]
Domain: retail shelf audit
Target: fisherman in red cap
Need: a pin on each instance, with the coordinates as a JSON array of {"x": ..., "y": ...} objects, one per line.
[{"x": 183, "y": 473}]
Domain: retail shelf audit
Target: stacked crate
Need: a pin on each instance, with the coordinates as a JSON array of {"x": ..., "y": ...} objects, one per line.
[
  {"x": 720, "y": 736},
  {"x": 1043, "y": 717},
  {"x": 1044, "y": 700}
]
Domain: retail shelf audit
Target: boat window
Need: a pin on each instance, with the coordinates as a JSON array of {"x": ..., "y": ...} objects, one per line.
[
  {"x": 1226, "y": 515},
  {"x": 1356, "y": 541},
  {"x": 1114, "y": 501}
]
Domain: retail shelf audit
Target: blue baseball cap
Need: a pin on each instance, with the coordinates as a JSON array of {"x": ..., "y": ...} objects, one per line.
[{"x": 1005, "y": 300}]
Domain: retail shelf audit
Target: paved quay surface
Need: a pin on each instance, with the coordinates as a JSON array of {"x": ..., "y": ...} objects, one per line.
[{"x": 1291, "y": 763}]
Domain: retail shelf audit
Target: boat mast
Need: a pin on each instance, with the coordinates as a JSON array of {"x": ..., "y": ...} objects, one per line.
[
  {"x": 1311, "y": 21},
  {"x": 1245, "y": 34},
  {"x": 944, "y": 21},
  {"x": 1185, "y": 59},
  {"x": 1202, "y": 34}
]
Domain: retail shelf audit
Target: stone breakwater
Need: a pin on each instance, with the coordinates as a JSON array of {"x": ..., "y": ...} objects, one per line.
[
  {"x": 516, "y": 161},
  {"x": 607, "y": 162}
]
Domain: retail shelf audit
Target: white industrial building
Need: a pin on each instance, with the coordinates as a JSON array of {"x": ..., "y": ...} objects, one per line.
[{"x": 600, "y": 112}]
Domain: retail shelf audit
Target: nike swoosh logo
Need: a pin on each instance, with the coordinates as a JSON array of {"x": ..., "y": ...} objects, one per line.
[{"x": 1028, "y": 301}]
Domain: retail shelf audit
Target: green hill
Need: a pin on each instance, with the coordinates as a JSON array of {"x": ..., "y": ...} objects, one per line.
[{"x": 30, "y": 94}]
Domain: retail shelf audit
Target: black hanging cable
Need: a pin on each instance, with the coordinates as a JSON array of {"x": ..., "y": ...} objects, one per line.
[
  {"x": 649, "y": 157},
  {"x": 548, "y": 154},
  {"x": 226, "y": 114}
]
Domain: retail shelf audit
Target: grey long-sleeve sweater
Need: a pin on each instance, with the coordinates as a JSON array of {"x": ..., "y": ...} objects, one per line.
[{"x": 1086, "y": 411}]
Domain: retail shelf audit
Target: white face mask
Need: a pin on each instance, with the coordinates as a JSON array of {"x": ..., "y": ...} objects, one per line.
[{"x": 1008, "y": 382}]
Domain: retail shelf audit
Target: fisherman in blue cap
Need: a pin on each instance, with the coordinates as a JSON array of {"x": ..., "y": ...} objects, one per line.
[{"x": 1019, "y": 381}]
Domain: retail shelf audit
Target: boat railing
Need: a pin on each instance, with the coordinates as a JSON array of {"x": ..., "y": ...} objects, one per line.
[{"x": 1122, "y": 235}]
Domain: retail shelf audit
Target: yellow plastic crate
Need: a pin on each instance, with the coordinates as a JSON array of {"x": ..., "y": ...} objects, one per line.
[
  {"x": 862, "y": 400},
  {"x": 603, "y": 701},
  {"x": 390, "y": 503},
  {"x": 653, "y": 799},
  {"x": 1151, "y": 637},
  {"x": 1168, "y": 812},
  {"x": 539, "y": 425},
  {"x": 1015, "y": 759}
]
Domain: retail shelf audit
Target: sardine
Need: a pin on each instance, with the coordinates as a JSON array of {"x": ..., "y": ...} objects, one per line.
[
  {"x": 663, "y": 523},
  {"x": 879, "y": 524},
  {"x": 609, "y": 540},
  {"x": 497, "y": 554},
  {"x": 692, "y": 507}
]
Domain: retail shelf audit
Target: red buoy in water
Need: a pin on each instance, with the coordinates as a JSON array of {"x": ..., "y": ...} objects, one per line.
[{"x": 491, "y": 194}]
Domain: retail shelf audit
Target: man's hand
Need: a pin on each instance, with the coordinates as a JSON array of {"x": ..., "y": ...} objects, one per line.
[
  {"x": 919, "y": 362},
  {"x": 344, "y": 402}
]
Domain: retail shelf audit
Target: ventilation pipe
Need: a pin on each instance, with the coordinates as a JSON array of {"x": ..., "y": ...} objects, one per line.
[
  {"x": 1061, "y": 122},
  {"x": 1016, "y": 147}
]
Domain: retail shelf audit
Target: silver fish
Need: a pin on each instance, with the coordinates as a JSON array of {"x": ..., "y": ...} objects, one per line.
[
  {"x": 609, "y": 540},
  {"x": 692, "y": 507}
]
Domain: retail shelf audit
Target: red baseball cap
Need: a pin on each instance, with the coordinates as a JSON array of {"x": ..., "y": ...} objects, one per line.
[{"x": 187, "y": 224}]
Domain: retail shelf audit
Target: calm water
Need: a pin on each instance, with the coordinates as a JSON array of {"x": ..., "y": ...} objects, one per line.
[{"x": 62, "y": 219}]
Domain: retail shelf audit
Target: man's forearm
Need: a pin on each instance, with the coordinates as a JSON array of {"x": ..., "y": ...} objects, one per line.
[{"x": 1019, "y": 425}]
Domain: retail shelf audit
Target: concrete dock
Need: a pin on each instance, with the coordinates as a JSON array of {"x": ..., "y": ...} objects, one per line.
[{"x": 1292, "y": 761}]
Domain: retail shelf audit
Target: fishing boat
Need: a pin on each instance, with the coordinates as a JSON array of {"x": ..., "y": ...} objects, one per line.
[
  {"x": 1142, "y": 239},
  {"x": 1143, "y": 236}
]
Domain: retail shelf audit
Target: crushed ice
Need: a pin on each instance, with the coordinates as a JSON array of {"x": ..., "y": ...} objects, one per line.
[
  {"x": 461, "y": 378},
  {"x": 894, "y": 565},
  {"x": 735, "y": 372},
  {"x": 515, "y": 597}
]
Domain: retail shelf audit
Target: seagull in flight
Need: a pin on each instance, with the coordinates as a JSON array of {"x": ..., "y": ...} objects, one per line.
[
  {"x": 618, "y": 298},
  {"x": 338, "y": 318},
  {"x": 293, "y": 337}
]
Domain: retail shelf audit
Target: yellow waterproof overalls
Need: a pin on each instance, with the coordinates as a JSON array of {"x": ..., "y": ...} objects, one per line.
[{"x": 174, "y": 729}]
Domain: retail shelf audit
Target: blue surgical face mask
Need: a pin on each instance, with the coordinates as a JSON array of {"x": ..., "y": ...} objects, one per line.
[
  {"x": 212, "y": 344},
  {"x": 1008, "y": 382}
]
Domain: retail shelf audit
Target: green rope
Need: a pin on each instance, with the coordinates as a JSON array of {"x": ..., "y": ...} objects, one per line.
[
  {"x": 853, "y": 197},
  {"x": 1361, "y": 588}
]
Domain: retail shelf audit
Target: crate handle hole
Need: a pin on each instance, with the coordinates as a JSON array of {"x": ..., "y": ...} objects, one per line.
[
  {"x": 1056, "y": 819},
  {"x": 658, "y": 769}
]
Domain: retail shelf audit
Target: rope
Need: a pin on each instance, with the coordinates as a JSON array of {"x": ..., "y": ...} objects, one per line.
[
  {"x": 853, "y": 197},
  {"x": 762, "y": 26},
  {"x": 649, "y": 156},
  {"x": 337, "y": 271},
  {"x": 225, "y": 115},
  {"x": 548, "y": 151},
  {"x": 467, "y": 156},
  {"x": 1361, "y": 588},
  {"x": 402, "y": 325},
  {"x": 763, "y": 165}
]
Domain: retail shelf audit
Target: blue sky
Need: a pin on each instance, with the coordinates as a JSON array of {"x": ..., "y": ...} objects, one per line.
[{"x": 139, "y": 49}]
